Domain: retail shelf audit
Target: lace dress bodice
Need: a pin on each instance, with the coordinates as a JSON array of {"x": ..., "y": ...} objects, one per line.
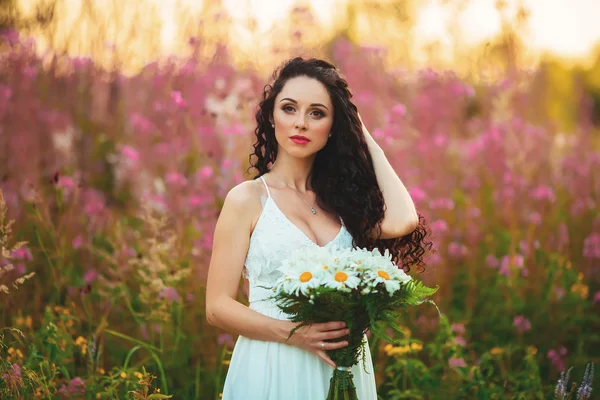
[
  {"x": 273, "y": 239},
  {"x": 272, "y": 370}
]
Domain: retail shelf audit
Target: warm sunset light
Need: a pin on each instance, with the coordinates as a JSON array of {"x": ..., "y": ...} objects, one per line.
[
  {"x": 566, "y": 29},
  {"x": 299, "y": 199}
]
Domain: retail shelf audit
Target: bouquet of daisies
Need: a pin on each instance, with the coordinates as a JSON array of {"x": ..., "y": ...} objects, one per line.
[{"x": 363, "y": 288}]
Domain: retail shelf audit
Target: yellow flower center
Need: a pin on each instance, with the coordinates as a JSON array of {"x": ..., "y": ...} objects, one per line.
[
  {"x": 305, "y": 277},
  {"x": 325, "y": 267},
  {"x": 383, "y": 274},
  {"x": 341, "y": 276}
]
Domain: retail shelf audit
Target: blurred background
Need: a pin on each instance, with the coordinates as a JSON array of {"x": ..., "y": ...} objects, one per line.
[{"x": 123, "y": 125}]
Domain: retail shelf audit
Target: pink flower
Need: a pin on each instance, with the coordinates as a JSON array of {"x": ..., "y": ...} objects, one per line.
[
  {"x": 456, "y": 362},
  {"x": 460, "y": 341},
  {"x": 226, "y": 163},
  {"x": 456, "y": 249},
  {"x": 93, "y": 202},
  {"x": 434, "y": 259},
  {"x": 504, "y": 270},
  {"x": 521, "y": 324},
  {"x": 90, "y": 276},
  {"x": 469, "y": 91},
  {"x": 22, "y": 253},
  {"x": 596, "y": 297},
  {"x": 364, "y": 97},
  {"x": 473, "y": 212},
  {"x": 13, "y": 379},
  {"x": 457, "y": 88},
  {"x": 492, "y": 261},
  {"x": 440, "y": 140},
  {"x": 399, "y": 110},
  {"x": 225, "y": 339},
  {"x": 205, "y": 172},
  {"x": 75, "y": 386},
  {"x": 236, "y": 129},
  {"x": 378, "y": 133},
  {"x": 140, "y": 123},
  {"x": 77, "y": 242},
  {"x": 130, "y": 153},
  {"x": 5, "y": 93},
  {"x": 207, "y": 242},
  {"x": 178, "y": 99},
  {"x": 162, "y": 149},
  {"x": 535, "y": 218},
  {"x": 66, "y": 183},
  {"x": 458, "y": 328},
  {"x": 443, "y": 203},
  {"x": 417, "y": 194},
  {"x": 512, "y": 261},
  {"x": 439, "y": 226},
  {"x": 194, "y": 201},
  {"x": 543, "y": 193},
  {"x": 176, "y": 179},
  {"x": 20, "y": 268},
  {"x": 518, "y": 260},
  {"x": 556, "y": 357},
  {"x": 171, "y": 294},
  {"x": 591, "y": 246}
]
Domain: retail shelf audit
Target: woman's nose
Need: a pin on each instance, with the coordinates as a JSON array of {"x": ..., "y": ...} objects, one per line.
[{"x": 301, "y": 123}]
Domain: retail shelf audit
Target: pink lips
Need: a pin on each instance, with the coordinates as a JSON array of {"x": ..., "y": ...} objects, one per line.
[{"x": 299, "y": 139}]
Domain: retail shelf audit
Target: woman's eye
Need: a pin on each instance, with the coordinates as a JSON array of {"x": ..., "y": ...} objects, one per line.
[
  {"x": 319, "y": 113},
  {"x": 288, "y": 108}
]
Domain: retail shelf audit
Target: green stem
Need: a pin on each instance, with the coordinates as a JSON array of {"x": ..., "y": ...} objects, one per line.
[
  {"x": 197, "y": 380},
  {"x": 341, "y": 386},
  {"x": 54, "y": 280},
  {"x": 123, "y": 336}
]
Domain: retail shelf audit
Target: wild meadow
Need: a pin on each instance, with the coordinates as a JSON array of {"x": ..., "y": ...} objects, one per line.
[{"x": 111, "y": 185}]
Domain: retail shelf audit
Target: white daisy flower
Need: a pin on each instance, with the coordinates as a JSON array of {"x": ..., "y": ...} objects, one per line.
[
  {"x": 301, "y": 280},
  {"x": 382, "y": 275},
  {"x": 300, "y": 277},
  {"x": 400, "y": 275},
  {"x": 341, "y": 279}
]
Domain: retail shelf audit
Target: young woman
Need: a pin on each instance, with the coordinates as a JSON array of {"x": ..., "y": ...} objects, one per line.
[{"x": 321, "y": 180}]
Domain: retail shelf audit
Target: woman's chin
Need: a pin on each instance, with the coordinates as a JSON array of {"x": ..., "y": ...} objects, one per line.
[{"x": 301, "y": 152}]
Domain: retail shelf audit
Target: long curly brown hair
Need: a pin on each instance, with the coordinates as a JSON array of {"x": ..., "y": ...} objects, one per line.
[{"x": 342, "y": 176}]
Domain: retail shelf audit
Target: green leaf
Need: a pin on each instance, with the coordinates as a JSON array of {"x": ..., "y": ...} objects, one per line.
[{"x": 159, "y": 396}]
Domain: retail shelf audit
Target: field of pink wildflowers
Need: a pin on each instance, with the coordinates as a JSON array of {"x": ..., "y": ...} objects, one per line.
[{"x": 114, "y": 184}]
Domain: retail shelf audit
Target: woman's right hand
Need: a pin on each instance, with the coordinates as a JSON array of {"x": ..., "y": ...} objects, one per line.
[{"x": 314, "y": 337}]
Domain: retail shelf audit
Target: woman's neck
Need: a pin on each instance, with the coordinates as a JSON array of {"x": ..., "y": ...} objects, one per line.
[{"x": 293, "y": 172}]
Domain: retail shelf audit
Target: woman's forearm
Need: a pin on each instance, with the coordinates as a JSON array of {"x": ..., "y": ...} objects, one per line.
[
  {"x": 400, "y": 216},
  {"x": 234, "y": 317}
]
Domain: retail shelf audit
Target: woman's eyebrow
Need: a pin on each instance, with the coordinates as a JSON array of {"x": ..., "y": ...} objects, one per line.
[{"x": 312, "y": 105}]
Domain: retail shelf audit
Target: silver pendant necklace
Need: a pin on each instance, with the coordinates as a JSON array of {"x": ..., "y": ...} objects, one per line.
[{"x": 312, "y": 209}]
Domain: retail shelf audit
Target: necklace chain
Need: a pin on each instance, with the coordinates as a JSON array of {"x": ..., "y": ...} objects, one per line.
[{"x": 312, "y": 209}]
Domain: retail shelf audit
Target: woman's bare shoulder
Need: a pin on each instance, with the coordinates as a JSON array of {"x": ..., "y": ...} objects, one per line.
[
  {"x": 244, "y": 192},
  {"x": 244, "y": 200}
]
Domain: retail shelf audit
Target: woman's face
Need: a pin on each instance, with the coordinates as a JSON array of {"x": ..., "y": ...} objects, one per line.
[{"x": 303, "y": 117}]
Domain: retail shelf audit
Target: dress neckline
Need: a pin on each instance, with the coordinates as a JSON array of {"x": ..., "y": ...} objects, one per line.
[{"x": 301, "y": 231}]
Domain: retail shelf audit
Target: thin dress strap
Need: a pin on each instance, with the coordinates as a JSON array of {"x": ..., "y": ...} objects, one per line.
[{"x": 263, "y": 179}]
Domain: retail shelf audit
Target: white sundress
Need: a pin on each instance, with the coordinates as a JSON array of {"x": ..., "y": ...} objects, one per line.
[{"x": 264, "y": 370}]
